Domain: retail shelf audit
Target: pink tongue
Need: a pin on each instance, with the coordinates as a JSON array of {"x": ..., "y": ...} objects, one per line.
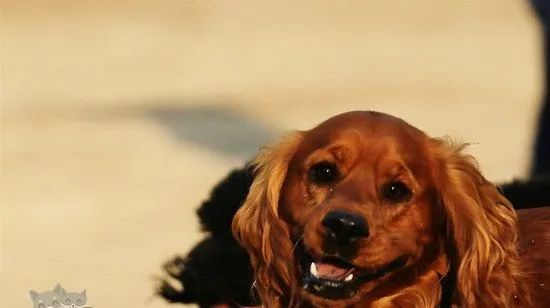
[{"x": 329, "y": 271}]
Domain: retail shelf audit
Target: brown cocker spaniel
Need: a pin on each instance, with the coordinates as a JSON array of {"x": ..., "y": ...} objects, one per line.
[{"x": 365, "y": 210}]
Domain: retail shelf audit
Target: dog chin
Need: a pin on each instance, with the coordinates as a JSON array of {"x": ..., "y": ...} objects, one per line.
[{"x": 317, "y": 301}]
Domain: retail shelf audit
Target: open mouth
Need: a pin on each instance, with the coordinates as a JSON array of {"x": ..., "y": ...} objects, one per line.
[
  {"x": 335, "y": 278},
  {"x": 332, "y": 269}
]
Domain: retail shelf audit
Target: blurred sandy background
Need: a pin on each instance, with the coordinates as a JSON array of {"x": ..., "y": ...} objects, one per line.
[{"x": 119, "y": 116}]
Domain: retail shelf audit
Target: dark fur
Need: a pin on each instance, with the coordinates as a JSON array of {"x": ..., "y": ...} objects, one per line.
[
  {"x": 216, "y": 213},
  {"x": 216, "y": 271},
  {"x": 528, "y": 194}
]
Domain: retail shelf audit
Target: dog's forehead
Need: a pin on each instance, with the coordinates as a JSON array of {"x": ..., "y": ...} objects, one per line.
[
  {"x": 358, "y": 117},
  {"x": 365, "y": 122},
  {"x": 361, "y": 127}
]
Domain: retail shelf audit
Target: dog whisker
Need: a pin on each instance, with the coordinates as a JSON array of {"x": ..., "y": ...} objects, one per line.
[{"x": 297, "y": 242}]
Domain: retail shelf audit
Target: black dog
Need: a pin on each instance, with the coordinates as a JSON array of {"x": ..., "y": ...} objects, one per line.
[{"x": 217, "y": 270}]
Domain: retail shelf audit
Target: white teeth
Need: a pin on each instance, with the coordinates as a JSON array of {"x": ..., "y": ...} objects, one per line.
[
  {"x": 349, "y": 277},
  {"x": 313, "y": 269}
]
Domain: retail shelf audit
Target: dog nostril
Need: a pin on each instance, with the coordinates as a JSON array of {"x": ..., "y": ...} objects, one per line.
[
  {"x": 343, "y": 226},
  {"x": 356, "y": 232}
]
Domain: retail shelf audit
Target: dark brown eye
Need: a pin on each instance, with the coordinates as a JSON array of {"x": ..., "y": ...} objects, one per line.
[
  {"x": 396, "y": 192},
  {"x": 323, "y": 173}
]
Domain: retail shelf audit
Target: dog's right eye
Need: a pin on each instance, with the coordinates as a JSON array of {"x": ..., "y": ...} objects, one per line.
[{"x": 323, "y": 173}]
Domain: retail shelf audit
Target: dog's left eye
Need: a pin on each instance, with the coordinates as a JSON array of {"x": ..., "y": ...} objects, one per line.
[{"x": 396, "y": 192}]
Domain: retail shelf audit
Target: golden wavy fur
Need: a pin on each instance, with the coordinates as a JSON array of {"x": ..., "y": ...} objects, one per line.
[{"x": 437, "y": 233}]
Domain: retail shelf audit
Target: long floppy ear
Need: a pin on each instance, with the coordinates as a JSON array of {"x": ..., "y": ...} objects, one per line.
[
  {"x": 257, "y": 227},
  {"x": 481, "y": 229}
]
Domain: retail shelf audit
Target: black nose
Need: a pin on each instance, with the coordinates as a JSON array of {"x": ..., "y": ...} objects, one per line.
[{"x": 345, "y": 227}]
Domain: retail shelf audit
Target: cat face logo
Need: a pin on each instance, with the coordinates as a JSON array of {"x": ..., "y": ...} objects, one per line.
[{"x": 58, "y": 298}]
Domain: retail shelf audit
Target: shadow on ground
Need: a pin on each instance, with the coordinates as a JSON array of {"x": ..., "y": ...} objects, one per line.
[{"x": 222, "y": 130}]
